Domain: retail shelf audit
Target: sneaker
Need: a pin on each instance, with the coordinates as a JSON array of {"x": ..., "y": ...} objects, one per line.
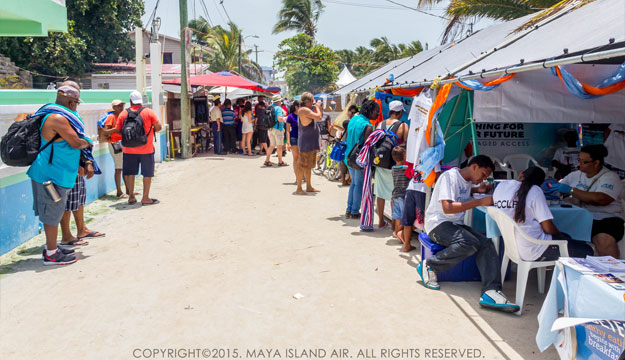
[
  {"x": 64, "y": 251},
  {"x": 495, "y": 299},
  {"x": 58, "y": 258},
  {"x": 428, "y": 276}
]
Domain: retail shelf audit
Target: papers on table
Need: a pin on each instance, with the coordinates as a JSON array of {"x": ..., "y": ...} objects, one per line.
[
  {"x": 582, "y": 265},
  {"x": 607, "y": 263},
  {"x": 617, "y": 282}
]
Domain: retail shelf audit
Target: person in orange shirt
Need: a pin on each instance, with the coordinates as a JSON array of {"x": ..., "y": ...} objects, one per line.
[
  {"x": 142, "y": 155},
  {"x": 115, "y": 138}
]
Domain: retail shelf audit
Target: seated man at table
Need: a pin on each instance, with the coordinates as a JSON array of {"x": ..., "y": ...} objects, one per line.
[
  {"x": 444, "y": 219},
  {"x": 600, "y": 191},
  {"x": 524, "y": 202}
]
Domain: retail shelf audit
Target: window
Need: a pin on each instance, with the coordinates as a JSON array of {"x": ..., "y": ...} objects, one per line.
[{"x": 167, "y": 58}]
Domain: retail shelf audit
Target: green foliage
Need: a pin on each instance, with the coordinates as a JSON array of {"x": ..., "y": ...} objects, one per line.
[
  {"x": 294, "y": 57},
  {"x": 462, "y": 12},
  {"x": 97, "y": 32},
  {"x": 11, "y": 82},
  {"x": 300, "y": 16},
  {"x": 225, "y": 44},
  {"x": 381, "y": 52}
]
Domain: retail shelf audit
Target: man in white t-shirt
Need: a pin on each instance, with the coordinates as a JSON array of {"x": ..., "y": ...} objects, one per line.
[
  {"x": 565, "y": 158},
  {"x": 444, "y": 224},
  {"x": 600, "y": 192}
]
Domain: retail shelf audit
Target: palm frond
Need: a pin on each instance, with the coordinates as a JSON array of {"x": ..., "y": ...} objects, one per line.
[{"x": 554, "y": 9}]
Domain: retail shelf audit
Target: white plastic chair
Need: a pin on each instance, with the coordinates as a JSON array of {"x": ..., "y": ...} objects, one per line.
[
  {"x": 520, "y": 162},
  {"x": 509, "y": 231},
  {"x": 501, "y": 166}
]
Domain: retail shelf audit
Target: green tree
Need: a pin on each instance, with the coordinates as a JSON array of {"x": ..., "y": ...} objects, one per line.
[
  {"x": 225, "y": 44},
  {"x": 364, "y": 59},
  {"x": 307, "y": 67},
  {"x": 97, "y": 32},
  {"x": 461, "y": 12},
  {"x": 299, "y": 15}
]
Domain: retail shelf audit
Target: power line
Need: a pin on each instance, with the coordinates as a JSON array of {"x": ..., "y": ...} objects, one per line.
[
  {"x": 208, "y": 17},
  {"x": 418, "y": 10},
  {"x": 226, "y": 11},
  {"x": 220, "y": 15},
  {"x": 361, "y": 5},
  {"x": 153, "y": 12}
]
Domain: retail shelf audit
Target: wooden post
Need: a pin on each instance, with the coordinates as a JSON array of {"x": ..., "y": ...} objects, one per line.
[{"x": 185, "y": 115}]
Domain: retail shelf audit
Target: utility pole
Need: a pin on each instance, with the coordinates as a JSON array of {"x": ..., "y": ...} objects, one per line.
[
  {"x": 256, "y": 50},
  {"x": 240, "y": 41},
  {"x": 185, "y": 115}
]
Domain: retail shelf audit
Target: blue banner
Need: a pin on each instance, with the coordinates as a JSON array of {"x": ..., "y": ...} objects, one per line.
[
  {"x": 600, "y": 340},
  {"x": 386, "y": 99}
]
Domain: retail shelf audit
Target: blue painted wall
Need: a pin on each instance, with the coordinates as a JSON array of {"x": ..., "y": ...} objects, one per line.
[{"x": 18, "y": 222}]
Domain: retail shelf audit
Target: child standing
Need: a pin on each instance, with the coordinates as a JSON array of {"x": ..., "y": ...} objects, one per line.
[{"x": 400, "y": 183}]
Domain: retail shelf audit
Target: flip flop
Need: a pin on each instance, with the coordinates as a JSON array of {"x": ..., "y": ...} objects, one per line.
[
  {"x": 74, "y": 243},
  {"x": 154, "y": 202},
  {"x": 93, "y": 235},
  {"x": 283, "y": 164},
  {"x": 132, "y": 202}
]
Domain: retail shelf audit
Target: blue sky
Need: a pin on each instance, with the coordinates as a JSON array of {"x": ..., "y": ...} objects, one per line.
[{"x": 345, "y": 24}]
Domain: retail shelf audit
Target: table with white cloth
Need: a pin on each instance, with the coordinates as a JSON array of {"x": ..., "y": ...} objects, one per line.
[
  {"x": 574, "y": 221},
  {"x": 578, "y": 295}
]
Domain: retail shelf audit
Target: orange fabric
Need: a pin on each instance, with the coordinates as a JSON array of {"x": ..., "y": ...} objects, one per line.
[
  {"x": 380, "y": 116},
  {"x": 594, "y": 90},
  {"x": 500, "y": 80},
  {"x": 406, "y": 92},
  {"x": 438, "y": 102},
  {"x": 149, "y": 119},
  {"x": 110, "y": 123}
]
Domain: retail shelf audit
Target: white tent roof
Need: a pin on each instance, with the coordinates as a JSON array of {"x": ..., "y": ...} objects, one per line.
[
  {"x": 589, "y": 28},
  {"x": 345, "y": 77}
]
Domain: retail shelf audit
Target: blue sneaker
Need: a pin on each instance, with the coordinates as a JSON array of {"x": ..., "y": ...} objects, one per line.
[
  {"x": 495, "y": 299},
  {"x": 428, "y": 276}
]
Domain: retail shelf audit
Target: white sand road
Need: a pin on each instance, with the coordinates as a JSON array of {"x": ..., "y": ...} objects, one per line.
[{"x": 216, "y": 265}]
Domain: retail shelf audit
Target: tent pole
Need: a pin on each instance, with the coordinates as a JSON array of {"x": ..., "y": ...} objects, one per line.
[{"x": 473, "y": 131}]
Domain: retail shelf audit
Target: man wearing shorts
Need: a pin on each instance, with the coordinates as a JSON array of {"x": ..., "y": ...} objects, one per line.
[
  {"x": 276, "y": 133},
  {"x": 75, "y": 204},
  {"x": 55, "y": 174},
  {"x": 115, "y": 138},
  {"x": 140, "y": 156}
]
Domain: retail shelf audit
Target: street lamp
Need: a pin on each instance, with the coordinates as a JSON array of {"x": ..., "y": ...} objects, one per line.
[{"x": 240, "y": 43}]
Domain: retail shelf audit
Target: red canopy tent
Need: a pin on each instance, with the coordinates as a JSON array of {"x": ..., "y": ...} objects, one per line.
[{"x": 223, "y": 78}]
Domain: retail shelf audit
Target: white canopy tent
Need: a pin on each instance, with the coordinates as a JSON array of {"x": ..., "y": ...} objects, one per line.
[
  {"x": 236, "y": 93},
  {"x": 345, "y": 77}
]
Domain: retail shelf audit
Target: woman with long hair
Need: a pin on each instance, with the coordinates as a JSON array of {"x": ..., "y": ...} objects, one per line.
[
  {"x": 291, "y": 133},
  {"x": 247, "y": 128},
  {"x": 524, "y": 201}
]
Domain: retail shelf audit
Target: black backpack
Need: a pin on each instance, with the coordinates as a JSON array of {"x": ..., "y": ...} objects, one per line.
[
  {"x": 20, "y": 145},
  {"x": 133, "y": 131},
  {"x": 382, "y": 151},
  {"x": 268, "y": 120}
]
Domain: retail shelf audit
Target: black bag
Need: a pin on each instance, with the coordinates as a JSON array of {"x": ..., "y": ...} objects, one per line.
[
  {"x": 323, "y": 125},
  {"x": 117, "y": 147},
  {"x": 20, "y": 145},
  {"x": 351, "y": 158},
  {"x": 382, "y": 151},
  {"x": 133, "y": 132},
  {"x": 268, "y": 120}
]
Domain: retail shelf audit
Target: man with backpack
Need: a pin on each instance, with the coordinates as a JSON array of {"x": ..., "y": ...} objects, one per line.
[
  {"x": 137, "y": 126},
  {"x": 53, "y": 172},
  {"x": 274, "y": 120}
]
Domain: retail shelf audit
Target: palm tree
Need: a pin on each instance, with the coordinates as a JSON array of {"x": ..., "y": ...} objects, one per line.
[
  {"x": 299, "y": 15},
  {"x": 461, "y": 12}
]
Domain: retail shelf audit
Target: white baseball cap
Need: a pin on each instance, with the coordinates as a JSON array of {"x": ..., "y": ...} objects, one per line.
[
  {"x": 396, "y": 105},
  {"x": 136, "y": 98}
]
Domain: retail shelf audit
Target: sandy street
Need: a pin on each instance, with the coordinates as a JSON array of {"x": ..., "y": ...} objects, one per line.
[{"x": 216, "y": 265}]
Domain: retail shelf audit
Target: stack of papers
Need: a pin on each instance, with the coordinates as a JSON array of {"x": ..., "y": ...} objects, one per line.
[
  {"x": 582, "y": 265},
  {"x": 607, "y": 263}
]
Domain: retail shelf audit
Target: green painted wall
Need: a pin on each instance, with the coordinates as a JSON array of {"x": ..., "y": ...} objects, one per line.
[
  {"x": 31, "y": 17},
  {"x": 25, "y": 97}
]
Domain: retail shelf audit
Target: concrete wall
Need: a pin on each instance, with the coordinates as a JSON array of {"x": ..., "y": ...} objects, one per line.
[
  {"x": 17, "y": 219},
  {"x": 12, "y": 77}
]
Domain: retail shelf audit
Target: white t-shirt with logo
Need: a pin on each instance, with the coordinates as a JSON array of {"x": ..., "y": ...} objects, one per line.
[
  {"x": 608, "y": 183},
  {"x": 450, "y": 186},
  {"x": 536, "y": 211},
  {"x": 568, "y": 156}
]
